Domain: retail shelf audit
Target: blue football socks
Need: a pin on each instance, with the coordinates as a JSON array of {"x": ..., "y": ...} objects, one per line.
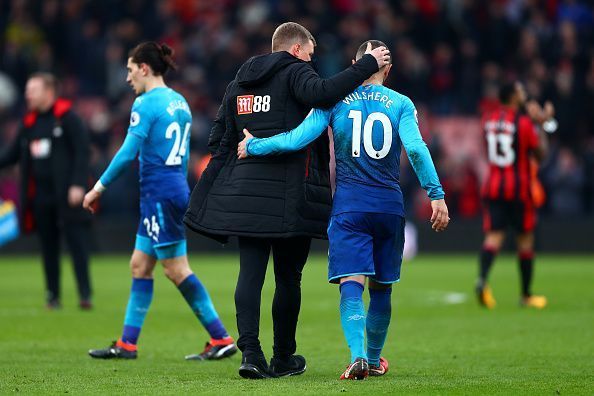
[
  {"x": 198, "y": 299},
  {"x": 352, "y": 317},
  {"x": 139, "y": 302},
  {"x": 378, "y": 320}
]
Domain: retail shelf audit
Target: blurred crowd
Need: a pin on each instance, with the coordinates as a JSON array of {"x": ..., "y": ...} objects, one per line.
[{"x": 450, "y": 56}]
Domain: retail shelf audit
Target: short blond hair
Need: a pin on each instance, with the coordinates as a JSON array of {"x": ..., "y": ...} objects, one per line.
[
  {"x": 49, "y": 80},
  {"x": 290, "y": 33}
]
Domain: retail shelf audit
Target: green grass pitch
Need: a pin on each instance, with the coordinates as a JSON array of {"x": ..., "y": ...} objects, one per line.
[{"x": 440, "y": 341}]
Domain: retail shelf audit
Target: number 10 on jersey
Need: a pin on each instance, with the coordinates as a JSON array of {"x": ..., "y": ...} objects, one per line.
[{"x": 356, "y": 116}]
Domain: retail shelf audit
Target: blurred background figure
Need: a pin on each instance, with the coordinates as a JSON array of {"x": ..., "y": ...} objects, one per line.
[
  {"x": 52, "y": 150},
  {"x": 515, "y": 141}
]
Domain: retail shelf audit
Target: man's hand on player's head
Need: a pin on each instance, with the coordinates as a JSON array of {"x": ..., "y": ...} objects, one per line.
[
  {"x": 90, "y": 198},
  {"x": 440, "y": 217},
  {"x": 381, "y": 55},
  {"x": 242, "y": 146}
]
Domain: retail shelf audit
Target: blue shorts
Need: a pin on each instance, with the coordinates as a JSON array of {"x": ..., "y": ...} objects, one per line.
[
  {"x": 369, "y": 244},
  {"x": 161, "y": 232}
]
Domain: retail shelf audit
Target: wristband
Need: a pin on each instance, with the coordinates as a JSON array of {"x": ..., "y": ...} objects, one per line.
[{"x": 99, "y": 187}]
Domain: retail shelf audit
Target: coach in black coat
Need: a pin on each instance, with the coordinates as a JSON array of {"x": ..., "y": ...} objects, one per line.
[
  {"x": 52, "y": 150},
  {"x": 276, "y": 203}
]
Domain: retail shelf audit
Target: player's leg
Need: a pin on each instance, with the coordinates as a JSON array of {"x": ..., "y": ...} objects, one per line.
[
  {"x": 353, "y": 321},
  {"x": 177, "y": 269},
  {"x": 525, "y": 242},
  {"x": 494, "y": 225},
  {"x": 142, "y": 265},
  {"x": 253, "y": 260},
  {"x": 388, "y": 247},
  {"x": 350, "y": 261},
  {"x": 290, "y": 255},
  {"x": 379, "y": 315},
  {"x": 77, "y": 237},
  {"x": 49, "y": 238}
]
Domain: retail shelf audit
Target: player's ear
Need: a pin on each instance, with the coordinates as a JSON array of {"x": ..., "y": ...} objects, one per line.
[{"x": 353, "y": 61}]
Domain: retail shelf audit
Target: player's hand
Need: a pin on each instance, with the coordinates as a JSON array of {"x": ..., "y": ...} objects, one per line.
[
  {"x": 90, "y": 198},
  {"x": 535, "y": 112},
  {"x": 242, "y": 146},
  {"x": 381, "y": 55},
  {"x": 440, "y": 218},
  {"x": 549, "y": 110},
  {"x": 75, "y": 195}
]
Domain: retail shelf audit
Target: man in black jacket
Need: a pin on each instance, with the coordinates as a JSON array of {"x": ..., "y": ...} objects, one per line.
[
  {"x": 277, "y": 203},
  {"x": 52, "y": 148}
]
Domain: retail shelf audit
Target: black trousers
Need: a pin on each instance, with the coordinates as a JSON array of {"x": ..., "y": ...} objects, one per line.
[
  {"x": 290, "y": 255},
  {"x": 50, "y": 228}
]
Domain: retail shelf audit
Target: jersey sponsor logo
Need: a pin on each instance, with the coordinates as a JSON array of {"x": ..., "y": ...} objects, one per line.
[
  {"x": 40, "y": 148},
  {"x": 244, "y": 104},
  {"x": 248, "y": 104},
  {"x": 134, "y": 119}
]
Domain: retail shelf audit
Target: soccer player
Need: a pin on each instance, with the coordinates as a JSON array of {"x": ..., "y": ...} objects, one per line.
[
  {"x": 159, "y": 130},
  {"x": 366, "y": 230},
  {"x": 513, "y": 143}
]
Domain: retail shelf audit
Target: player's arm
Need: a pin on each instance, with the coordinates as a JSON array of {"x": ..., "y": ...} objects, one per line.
[
  {"x": 140, "y": 121},
  {"x": 537, "y": 137},
  {"x": 312, "y": 90},
  {"x": 420, "y": 159},
  {"x": 294, "y": 140}
]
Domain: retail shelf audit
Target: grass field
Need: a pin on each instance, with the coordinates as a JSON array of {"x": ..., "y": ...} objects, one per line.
[{"x": 440, "y": 342}]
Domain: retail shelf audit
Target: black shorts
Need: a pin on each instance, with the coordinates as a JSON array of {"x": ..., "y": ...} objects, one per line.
[{"x": 499, "y": 215}]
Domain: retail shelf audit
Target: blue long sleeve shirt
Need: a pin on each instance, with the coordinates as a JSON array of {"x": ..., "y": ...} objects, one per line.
[{"x": 369, "y": 127}]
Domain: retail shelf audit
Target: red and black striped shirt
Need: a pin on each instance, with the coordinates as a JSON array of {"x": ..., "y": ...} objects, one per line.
[{"x": 511, "y": 138}]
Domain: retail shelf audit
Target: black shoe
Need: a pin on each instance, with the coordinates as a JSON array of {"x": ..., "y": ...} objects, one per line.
[
  {"x": 255, "y": 367},
  {"x": 85, "y": 305},
  {"x": 293, "y": 365},
  {"x": 53, "y": 304},
  {"x": 113, "y": 352},
  {"x": 215, "y": 352}
]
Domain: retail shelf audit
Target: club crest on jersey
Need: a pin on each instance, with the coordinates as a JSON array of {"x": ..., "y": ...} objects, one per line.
[{"x": 245, "y": 104}]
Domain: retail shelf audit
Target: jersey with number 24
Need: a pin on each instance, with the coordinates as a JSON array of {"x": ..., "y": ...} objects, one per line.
[{"x": 162, "y": 119}]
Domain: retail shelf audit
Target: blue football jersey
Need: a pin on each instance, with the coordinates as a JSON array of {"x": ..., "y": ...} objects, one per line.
[
  {"x": 370, "y": 125},
  {"x": 162, "y": 119},
  {"x": 367, "y": 146}
]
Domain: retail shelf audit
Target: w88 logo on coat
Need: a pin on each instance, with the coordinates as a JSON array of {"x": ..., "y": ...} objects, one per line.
[{"x": 248, "y": 104}]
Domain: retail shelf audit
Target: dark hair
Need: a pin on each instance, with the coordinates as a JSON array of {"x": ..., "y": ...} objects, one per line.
[
  {"x": 290, "y": 33},
  {"x": 374, "y": 45},
  {"x": 507, "y": 91},
  {"x": 49, "y": 80},
  {"x": 157, "y": 56}
]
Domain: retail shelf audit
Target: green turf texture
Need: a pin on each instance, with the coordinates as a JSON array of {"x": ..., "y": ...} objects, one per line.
[{"x": 440, "y": 341}]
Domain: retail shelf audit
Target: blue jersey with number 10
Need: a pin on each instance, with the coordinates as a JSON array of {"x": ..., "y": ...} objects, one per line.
[
  {"x": 161, "y": 118},
  {"x": 369, "y": 127}
]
